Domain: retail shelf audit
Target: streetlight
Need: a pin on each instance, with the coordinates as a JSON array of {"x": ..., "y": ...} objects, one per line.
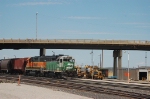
[
  {"x": 128, "y": 66},
  {"x": 53, "y": 53},
  {"x": 92, "y": 62},
  {"x": 15, "y": 56},
  {"x": 145, "y": 58},
  {"x": 100, "y": 65},
  {"x": 36, "y": 25},
  {"x": 6, "y": 57}
]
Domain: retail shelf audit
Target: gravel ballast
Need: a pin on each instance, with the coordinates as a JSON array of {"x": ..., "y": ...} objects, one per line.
[{"x": 13, "y": 91}]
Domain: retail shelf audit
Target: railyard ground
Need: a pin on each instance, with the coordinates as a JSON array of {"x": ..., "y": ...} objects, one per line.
[
  {"x": 24, "y": 91},
  {"x": 13, "y": 91}
]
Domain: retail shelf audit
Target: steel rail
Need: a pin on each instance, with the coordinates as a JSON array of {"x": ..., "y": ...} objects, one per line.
[{"x": 79, "y": 86}]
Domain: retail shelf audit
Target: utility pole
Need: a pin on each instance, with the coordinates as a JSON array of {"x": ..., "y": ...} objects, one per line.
[
  {"x": 102, "y": 59},
  {"x": 92, "y": 63},
  {"x": 100, "y": 65},
  {"x": 36, "y": 25},
  {"x": 128, "y": 67},
  {"x": 145, "y": 58}
]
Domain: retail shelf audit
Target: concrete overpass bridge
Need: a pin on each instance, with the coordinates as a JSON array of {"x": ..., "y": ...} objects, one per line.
[{"x": 43, "y": 44}]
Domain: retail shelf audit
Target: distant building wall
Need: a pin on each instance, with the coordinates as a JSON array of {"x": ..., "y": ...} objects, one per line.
[
  {"x": 149, "y": 75},
  {"x": 110, "y": 73},
  {"x": 133, "y": 74}
]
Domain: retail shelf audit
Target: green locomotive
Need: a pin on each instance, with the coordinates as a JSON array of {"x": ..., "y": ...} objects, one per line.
[
  {"x": 62, "y": 66},
  {"x": 51, "y": 66}
]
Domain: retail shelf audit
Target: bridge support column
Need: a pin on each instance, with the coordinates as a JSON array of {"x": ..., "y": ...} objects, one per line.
[
  {"x": 115, "y": 63},
  {"x": 119, "y": 65},
  {"x": 42, "y": 51}
]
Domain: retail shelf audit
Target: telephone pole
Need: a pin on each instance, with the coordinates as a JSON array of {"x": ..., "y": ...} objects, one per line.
[{"x": 36, "y": 25}]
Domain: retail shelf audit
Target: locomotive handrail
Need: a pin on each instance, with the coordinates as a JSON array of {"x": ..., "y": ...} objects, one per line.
[{"x": 76, "y": 41}]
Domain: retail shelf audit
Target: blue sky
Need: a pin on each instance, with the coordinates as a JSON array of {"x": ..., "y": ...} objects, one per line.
[{"x": 77, "y": 19}]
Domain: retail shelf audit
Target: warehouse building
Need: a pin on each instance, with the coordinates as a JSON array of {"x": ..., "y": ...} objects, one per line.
[
  {"x": 141, "y": 73},
  {"x": 108, "y": 72}
]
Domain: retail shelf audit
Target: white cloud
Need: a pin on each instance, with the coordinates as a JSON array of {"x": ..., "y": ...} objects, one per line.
[
  {"x": 144, "y": 26},
  {"x": 140, "y": 64},
  {"x": 80, "y": 32},
  {"x": 134, "y": 23},
  {"x": 138, "y": 14},
  {"x": 137, "y": 24},
  {"x": 82, "y": 17},
  {"x": 38, "y": 3},
  {"x": 95, "y": 33}
]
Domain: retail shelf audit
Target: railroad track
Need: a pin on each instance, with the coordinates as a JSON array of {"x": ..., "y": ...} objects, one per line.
[
  {"x": 145, "y": 87},
  {"x": 90, "y": 86}
]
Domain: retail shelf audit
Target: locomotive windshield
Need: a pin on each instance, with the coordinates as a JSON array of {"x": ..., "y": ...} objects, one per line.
[
  {"x": 68, "y": 59},
  {"x": 65, "y": 59}
]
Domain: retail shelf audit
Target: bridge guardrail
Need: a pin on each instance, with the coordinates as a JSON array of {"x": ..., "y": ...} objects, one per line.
[{"x": 76, "y": 41}]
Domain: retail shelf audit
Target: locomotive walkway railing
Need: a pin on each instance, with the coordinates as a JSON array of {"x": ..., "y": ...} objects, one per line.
[{"x": 74, "y": 41}]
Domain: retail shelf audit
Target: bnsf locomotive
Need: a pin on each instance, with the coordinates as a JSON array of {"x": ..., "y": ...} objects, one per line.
[{"x": 52, "y": 66}]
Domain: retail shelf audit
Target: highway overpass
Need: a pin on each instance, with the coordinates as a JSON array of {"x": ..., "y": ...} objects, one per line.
[
  {"x": 74, "y": 44},
  {"x": 43, "y": 44}
]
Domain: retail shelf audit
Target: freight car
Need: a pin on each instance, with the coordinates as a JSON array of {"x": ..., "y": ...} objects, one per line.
[
  {"x": 6, "y": 66},
  {"x": 54, "y": 66},
  {"x": 18, "y": 65},
  {"x": 15, "y": 65}
]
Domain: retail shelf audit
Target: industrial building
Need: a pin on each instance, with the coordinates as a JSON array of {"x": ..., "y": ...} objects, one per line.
[
  {"x": 140, "y": 73},
  {"x": 108, "y": 72}
]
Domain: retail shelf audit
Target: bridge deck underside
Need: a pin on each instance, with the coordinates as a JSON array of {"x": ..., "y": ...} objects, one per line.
[{"x": 73, "y": 46}]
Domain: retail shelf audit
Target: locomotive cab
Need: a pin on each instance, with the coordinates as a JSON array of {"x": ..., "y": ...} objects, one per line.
[{"x": 66, "y": 64}]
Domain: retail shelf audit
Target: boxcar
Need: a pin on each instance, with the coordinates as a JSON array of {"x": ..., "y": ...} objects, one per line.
[
  {"x": 6, "y": 66},
  {"x": 18, "y": 65}
]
